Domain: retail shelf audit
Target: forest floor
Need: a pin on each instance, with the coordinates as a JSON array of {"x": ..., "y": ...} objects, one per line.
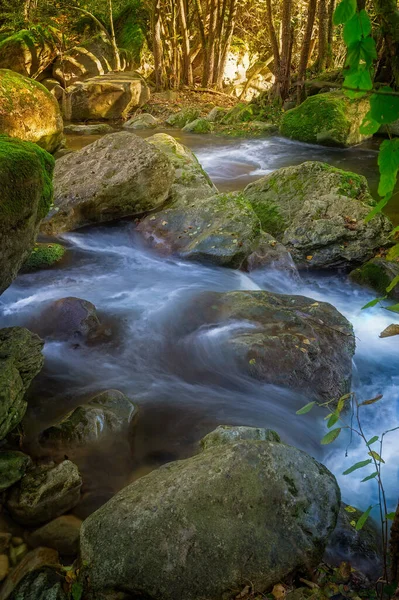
[{"x": 162, "y": 104}]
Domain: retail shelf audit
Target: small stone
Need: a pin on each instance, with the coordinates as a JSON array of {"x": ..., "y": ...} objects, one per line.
[
  {"x": 62, "y": 535},
  {"x": 13, "y": 465},
  {"x": 4, "y": 566},
  {"x": 16, "y": 541}
]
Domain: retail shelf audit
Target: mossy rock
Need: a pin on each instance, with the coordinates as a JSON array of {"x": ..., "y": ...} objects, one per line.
[
  {"x": 28, "y": 52},
  {"x": 198, "y": 126},
  {"x": 43, "y": 256},
  {"x": 377, "y": 274},
  {"x": 330, "y": 119},
  {"x": 183, "y": 117},
  {"x": 28, "y": 111},
  {"x": 241, "y": 113},
  {"x": 26, "y": 196},
  {"x": 216, "y": 114},
  {"x": 13, "y": 465}
]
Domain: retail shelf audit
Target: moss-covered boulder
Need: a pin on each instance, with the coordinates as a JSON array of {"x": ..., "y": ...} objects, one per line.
[
  {"x": 143, "y": 121},
  {"x": 221, "y": 229},
  {"x": 330, "y": 119},
  {"x": 241, "y": 113},
  {"x": 318, "y": 212},
  {"x": 190, "y": 180},
  {"x": 26, "y": 196},
  {"x": 43, "y": 256},
  {"x": 377, "y": 274},
  {"x": 290, "y": 341},
  {"x": 198, "y": 126},
  {"x": 247, "y": 511},
  {"x": 107, "y": 413},
  {"x": 216, "y": 114},
  {"x": 29, "y": 111},
  {"x": 13, "y": 465},
  {"x": 28, "y": 52},
  {"x": 21, "y": 360},
  {"x": 128, "y": 177},
  {"x": 183, "y": 117}
]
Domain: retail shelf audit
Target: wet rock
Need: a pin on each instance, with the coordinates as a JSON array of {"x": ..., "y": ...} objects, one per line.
[
  {"x": 29, "y": 111},
  {"x": 4, "y": 566},
  {"x": 5, "y": 539},
  {"x": 377, "y": 274},
  {"x": 183, "y": 117},
  {"x": 227, "y": 434},
  {"x": 62, "y": 535},
  {"x": 88, "y": 129},
  {"x": 111, "y": 96},
  {"x": 43, "y": 256},
  {"x": 285, "y": 340},
  {"x": 117, "y": 176},
  {"x": 71, "y": 319},
  {"x": 221, "y": 230},
  {"x": 27, "y": 192},
  {"x": 54, "y": 88},
  {"x": 107, "y": 413},
  {"x": 28, "y": 52},
  {"x": 330, "y": 119},
  {"x": 48, "y": 584},
  {"x": 198, "y": 126},
  {"x": 190, "y": 180},
  {"x": 20, "y": 585},
  {"x": 21, "y": 360},
  {"x": 18, "y": 552},
  {"x": 143, "y": 121},
  {"x": 243, "y": 511},
  {"x": 13, "y": 465},
  {"x": 362, "y": 549},
  {"x": 318, "y": 213},
  {"x": 216, "y": 114},
  {"x": 270, "y": 253},
  {"x": 45, "y": 492}
]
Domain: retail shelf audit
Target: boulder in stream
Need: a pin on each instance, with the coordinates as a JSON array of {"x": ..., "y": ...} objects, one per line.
[
  {"x": 13, "y": 465},
  {"x": 379, "y": 272},
  {"x": 251, "y": 510},
  {"x": 26, "y": 195},
  {"x": 183, "y": 117},
  {"x": 143, "y": 121},
  {"x": 199, "y": 125},
  {"x": 29, "y": 111},
  {"x": 117, "y": 176},
  {"x": 289, "y": 341},
  {"x": 21, "y": 359},
  {"x": 69, "y": 318},
  {"x": 43, "y": 256},
  {"x": 318, "y": 212}
]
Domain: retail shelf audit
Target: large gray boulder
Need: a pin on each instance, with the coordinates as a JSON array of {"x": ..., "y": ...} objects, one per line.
[
  {"x": 247, "y": 511},
  {"x": 117, "y": 176},
  {"x": 290, "y": 341},
  {"x": 26, "y": 195},
  {"x": 21, "y": 359},
  {"x": 318, "y": 213}
]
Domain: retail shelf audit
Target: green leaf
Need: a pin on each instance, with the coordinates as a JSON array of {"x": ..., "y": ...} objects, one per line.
[
  {"x": 388, "y": 162},
  {"x": 393, "y": 284},
  {"x": 390, "y": 516},
  {"x": 372, "y": 440},
  {"x": 331, "y": 436},
  {"x": 369, "y": 126},
  {"x": 384, "y": 108},
  {"x": 332, "y": 420},
  {"x": 372, "y": 400},
  {"x": 344, "y": 11},
  {"x": 378, "y": 208},
  {"x": 357, "y": 27},
  {"x": 305, "y": 409},
  {"x": 342, "y": 401},
  {"x": 361, "y": 80},
  {"x": 373, "y": 302},
  {"x": 376, "y": 456},
  {"x": 77, "y": 590},
  {"x": 362, "y": 520},
  {"x": 394, "y": 308},
  {"x": 372, "y": 476},
  {"x": 357, "y": 466}
]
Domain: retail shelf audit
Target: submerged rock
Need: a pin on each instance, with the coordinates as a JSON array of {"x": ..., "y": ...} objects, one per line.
[
  {"x": 143, "y": 121},
  {"x": 330, "y": 119},
  {"x": 13, "y": 465},
  {"x": 318, "y": 213},
  {"x": 26, "y": 195},
  {"x": 69, "y": 318},
  {"x": 45, "y": 492},
  {"x": 249, "y": 510},
  {"x": 43, "y": 256},
  {"x": 62, "y": 535},
  {"x": 117, "y": 176},
  {"x": 183, "y": 117},
  {"x": 107, "y": 413},
  {"x": 88, "y": 129},
  {"x": 29, "y": 111},
  {"x": 285, "y": 340},
  {"x": 377, "y": 274},
  {"x": 268, "y": 252},
  {"x": 198, "y": 126},
  {"x": 21, "y": 360}
]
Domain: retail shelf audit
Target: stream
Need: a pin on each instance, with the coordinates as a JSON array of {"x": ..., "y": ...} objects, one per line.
[{"x": 184, "y": 386}]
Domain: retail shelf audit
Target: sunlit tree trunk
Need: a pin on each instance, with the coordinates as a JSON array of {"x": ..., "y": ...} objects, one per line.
[
  {"x": 209, "y": 59},
  {"x": 323, "y": 36},
  {"x": 187, "y": 70},
  {"x": 305, "y": 51},
  {"x": 228, "y": 36},
  {"x": 273, "y": 38},
  {"x": 113, "y": 38},
  {"x": 283, "y": 76},
  {"x": 157, "y": 46},
  {"x": 330, "y": 32}
]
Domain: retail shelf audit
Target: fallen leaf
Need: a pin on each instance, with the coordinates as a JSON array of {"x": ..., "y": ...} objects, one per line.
[{"x": 309, "y": 257}]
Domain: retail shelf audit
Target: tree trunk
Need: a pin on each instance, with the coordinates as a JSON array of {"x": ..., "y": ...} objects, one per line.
[
  {"x": 209, "y": 62},
  {"x": 330, "y": 31},
  {"x": 113, "y": 38},
  {"x": 157, "y": 46},
  {"x": 273, "y": 37},
  {"x": 229, "y": 30},
  {"x": 323, "y": 33},
  {"x": 305, "y": 51},
  {"x": 187, "y": 70},
  {"x": 388, "y": 15},
  {"x": 283, "y": 78}
]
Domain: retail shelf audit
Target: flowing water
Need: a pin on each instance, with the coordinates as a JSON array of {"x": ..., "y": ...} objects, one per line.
[{"x": 182, "y": 383}]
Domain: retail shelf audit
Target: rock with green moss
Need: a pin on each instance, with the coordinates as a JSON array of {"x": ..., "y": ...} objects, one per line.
[
  {"x": 107, "y": 413},
  {"x": 216, "y": 114},
  {"x": 330, "y": 119},
  {"x": 143, "y": 121},
  {"x": 26, "y": 196},
  {"x": 318, "y": 212},
  {"x": 13, "y": 465},
  {"x": 128, "y": 177},
  {"x": 190, "y": 179},
  {"x": 228, "y": 434},
  {"x": 29, "y": 111},
  {"x": 28, "y": 52},
  {"x": 183, "y": 117},
  {"x": 21, "y": 360},
  {"x": 221, "y": 229},
  {"x": 241, "y": 113},
  {"x": 377, "y": 274},
  {"x": 284, "y": 340},
  {"x": 198, "y": 126},
  {"x": 249, "y": 510},
  {"x": 43, "y": 256}
]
